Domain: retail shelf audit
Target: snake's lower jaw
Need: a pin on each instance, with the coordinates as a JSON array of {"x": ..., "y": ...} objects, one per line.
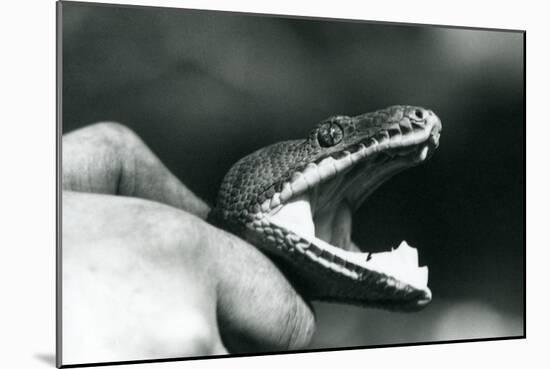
[{"x": 390, "y": 279}]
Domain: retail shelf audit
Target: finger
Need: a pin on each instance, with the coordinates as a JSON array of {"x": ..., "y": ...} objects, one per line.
[
  {"x": 258, "y": 309},
  {"x": 110, "y": 158}
]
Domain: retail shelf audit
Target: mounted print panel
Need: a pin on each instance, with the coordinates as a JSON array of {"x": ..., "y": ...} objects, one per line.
[{"x": 244, "y": 184}]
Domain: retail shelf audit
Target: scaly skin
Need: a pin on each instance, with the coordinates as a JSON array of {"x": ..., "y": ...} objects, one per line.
[{"x": 258, "y": 184}]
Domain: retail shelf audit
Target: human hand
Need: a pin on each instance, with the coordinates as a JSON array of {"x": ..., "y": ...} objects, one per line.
[{"x": 145, "y": 277}]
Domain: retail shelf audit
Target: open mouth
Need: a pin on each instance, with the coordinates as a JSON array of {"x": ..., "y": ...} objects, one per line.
[{"x": 318, "y": 202}]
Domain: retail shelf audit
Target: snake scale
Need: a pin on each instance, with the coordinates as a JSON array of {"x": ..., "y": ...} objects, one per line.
[{"x": 294, "y": 200}]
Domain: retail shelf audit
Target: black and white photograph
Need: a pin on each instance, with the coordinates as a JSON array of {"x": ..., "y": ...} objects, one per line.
[{"x": 236, "y": 184}]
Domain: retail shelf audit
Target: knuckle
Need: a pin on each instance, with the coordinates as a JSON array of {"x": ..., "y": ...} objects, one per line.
[{"x": 115, "y": 133}]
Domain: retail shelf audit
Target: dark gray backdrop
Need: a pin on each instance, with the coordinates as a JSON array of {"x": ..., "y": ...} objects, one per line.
[{"x": 205, "y": 88}]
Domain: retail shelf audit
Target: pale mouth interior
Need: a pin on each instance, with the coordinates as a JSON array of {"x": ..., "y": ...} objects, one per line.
[{"x": 321, "y": 211}]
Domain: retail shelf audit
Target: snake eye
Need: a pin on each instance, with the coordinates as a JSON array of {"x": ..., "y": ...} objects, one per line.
[{"x": 329, "y": 134}]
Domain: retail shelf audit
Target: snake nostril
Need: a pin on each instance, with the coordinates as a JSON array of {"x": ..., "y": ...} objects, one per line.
[{"x": 419, "y": 114}]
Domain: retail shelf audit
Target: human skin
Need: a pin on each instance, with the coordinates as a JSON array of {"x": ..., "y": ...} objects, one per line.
[{"x": 144, "y": 276}]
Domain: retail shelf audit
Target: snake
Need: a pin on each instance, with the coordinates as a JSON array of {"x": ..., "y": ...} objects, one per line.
[{"x": 294, "y": 200}]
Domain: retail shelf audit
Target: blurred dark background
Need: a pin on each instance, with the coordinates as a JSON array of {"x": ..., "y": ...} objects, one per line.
[{"x": 205, "y": 88}]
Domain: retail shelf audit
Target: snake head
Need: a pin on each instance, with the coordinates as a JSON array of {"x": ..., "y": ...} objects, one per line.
[{"x": 295, "y": 200}]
